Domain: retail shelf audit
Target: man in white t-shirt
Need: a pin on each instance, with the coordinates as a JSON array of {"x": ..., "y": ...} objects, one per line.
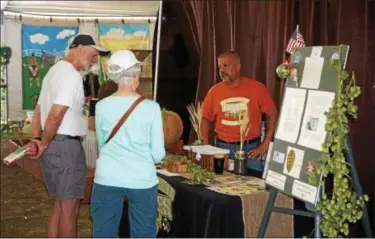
[{"x": 58, "y": 126}]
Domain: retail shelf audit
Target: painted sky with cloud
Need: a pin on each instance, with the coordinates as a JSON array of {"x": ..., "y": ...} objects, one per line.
[
  {"x": 46, "y": 38},
  {"x": 123, "y": 31}
]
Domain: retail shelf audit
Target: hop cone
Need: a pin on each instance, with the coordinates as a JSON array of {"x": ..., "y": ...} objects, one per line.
[{"x": 283, "y": 71}]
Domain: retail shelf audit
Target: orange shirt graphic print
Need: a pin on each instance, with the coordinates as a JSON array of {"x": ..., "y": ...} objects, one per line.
[{"x": 232, "y": 108}]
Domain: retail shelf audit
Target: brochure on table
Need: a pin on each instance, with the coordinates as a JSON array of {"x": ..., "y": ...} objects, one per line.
[{"x": 301, "y": 132}]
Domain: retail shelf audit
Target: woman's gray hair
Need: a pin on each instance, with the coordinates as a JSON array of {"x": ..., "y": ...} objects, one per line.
[{"x": 122, "y": 76}]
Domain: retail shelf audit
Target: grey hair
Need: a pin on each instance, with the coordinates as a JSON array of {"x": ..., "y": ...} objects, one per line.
[
  {"x": 122, "y": 76},
  {"x": 233, "y": 54}
]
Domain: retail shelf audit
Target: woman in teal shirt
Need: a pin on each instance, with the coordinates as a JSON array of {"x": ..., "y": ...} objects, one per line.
[{"x": 126, "y": 164}]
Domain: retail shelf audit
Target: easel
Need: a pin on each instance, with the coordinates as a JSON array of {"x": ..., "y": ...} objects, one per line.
[{"x": 270, "y": 207}]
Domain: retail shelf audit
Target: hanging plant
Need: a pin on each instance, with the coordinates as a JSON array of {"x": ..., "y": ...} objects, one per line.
[
  {"x": 342, "y": 206},
  {"x": 4, "y": 58},
  {"x": 3, "y": 62}
]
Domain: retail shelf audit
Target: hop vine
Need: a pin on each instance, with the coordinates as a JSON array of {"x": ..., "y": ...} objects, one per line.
[
  {"x": 342, "y": 206},
  {"x": 199, "y": 175}
]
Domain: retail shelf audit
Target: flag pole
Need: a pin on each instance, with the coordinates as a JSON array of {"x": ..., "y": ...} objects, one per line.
[
  {"x": 282, "y": 83},
  {"x": 156, "y": 74}
]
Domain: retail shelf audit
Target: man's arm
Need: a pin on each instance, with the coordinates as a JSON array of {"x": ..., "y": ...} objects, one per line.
[
  {"x": 36, "y": 126},
  {"x": 205, "y": 130},
  {"x": 208, "y": 117},
  {"x": 272, "y": 116},
  {"x": 268, "y": 107},
  {"x": 53, "y": 122}
]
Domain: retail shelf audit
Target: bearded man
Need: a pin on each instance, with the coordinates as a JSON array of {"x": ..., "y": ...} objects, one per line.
[
  {"x": 58, "y": 126},
  {"x": 235, "y": 96}
]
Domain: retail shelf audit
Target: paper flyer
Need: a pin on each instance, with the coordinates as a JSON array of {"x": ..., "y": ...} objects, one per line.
[
  {"x": 313, "y": 133},
  {"x": 291, "y": 115},
  {"x": 276, "y": 180},
  {"x": 304, "y": 191},
  {"x": 312, "y": 72}
]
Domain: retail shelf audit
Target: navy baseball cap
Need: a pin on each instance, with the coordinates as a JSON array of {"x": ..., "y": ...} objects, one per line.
[{"x": 88, "y": 40}]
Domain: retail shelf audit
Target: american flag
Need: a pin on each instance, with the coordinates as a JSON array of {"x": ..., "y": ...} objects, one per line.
[{"x": 296, "y": 40}]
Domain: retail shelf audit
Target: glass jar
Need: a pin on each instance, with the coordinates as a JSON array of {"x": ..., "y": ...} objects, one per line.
[{"x": 240, "y": 163}]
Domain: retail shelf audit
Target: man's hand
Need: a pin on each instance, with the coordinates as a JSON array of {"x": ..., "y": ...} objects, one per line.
[
  {"x": 271, "y": 125},
  {"x": 260, "y": 150},
  {"x": 32, "y": 149},
  {"x": 36, "y": 152}
]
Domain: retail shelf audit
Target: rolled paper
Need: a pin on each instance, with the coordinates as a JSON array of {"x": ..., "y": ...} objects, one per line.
[{"x": 16, "y": 155}]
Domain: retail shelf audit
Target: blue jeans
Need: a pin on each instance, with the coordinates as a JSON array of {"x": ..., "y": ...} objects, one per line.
[
  {"x": 253, "y": 164},
  {"x": 106, "y": 210}
]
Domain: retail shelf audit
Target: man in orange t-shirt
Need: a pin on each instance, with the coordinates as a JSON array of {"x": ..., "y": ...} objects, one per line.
[{"x": 234, "y": 96}]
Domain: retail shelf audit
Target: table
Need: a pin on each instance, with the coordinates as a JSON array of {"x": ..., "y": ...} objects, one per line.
[{"x": 200, "y": 212}]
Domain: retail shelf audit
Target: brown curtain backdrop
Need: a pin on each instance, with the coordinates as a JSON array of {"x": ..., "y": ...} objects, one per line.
[{"x": 259, "y": 31}]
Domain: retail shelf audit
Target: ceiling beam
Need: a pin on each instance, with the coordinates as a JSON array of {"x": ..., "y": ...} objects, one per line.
[
  {"x": 4, "y": 4},
  {"x": 77, "y": 11},
  {"x": 90, "y": 18}
]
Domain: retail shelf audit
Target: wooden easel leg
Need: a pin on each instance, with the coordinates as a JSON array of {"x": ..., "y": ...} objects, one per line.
[
  {"x": 318, "y": 215},
  {"x": 267, "y": 213}
]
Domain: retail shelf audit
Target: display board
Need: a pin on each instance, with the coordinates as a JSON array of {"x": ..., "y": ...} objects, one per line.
[{"x": 300, "y": 133}]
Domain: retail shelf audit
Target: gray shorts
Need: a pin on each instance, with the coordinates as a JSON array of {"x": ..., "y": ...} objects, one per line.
[{"x": 63, "y": 166}]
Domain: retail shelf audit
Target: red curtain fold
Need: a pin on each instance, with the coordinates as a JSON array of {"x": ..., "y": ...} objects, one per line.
[
  {"x": 350, "y": 23},
  {"x": 354, "y": 27},
  {"x": 255, "y": 29},
  {"x": 193, "y": 11}
]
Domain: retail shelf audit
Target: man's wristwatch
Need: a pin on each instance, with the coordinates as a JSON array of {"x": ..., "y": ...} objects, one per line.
[{"x": 37, "y": 137}]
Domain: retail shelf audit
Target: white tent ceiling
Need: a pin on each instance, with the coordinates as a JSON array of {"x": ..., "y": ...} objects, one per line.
[{"x": 84, "y": 8}]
